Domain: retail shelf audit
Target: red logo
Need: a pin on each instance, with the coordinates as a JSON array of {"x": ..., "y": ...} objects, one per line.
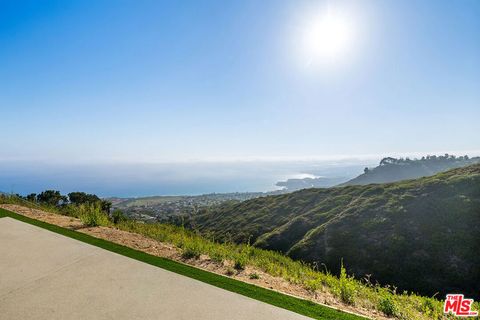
[{"x": 459, "y": 306}]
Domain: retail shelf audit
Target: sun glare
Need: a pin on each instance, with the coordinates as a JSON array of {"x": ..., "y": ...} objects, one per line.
[{"x": 327, "y": 37}]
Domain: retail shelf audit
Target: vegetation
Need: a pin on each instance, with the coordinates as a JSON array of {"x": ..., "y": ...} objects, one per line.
[
  {"x": 420, "y": 235},
  {"x": 387, "y": 306},
  {"x": 54, "y": 200},
  {"x": 92, "y": 215},
  {"x": 49, "y": 197},
  {"x": 118, "y": 216},
  {"x": 254, "y": 276},
  {"x": 347, "y": 287}
]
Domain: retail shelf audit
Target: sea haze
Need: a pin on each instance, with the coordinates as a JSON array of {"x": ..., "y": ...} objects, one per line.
[{"x": 182, "y": 178}]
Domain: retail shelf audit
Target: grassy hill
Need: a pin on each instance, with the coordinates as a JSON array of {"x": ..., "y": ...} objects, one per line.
[
  {"x": 391, "y": 169},
  {"x": 421, "y": 235}
]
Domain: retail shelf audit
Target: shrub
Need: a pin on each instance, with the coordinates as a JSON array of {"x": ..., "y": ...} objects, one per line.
[
  {"x": 254, "y": 276},
  {"x": 217, "y": 254},
  {"x": 92, "y": 215},
  {"x": 347, "y": 286},
  {"x": 191, "y": 251},
  {"x": 388, "y": 306},
  {"x": 428, "y": 306},
  {"x": 240, "y": 263},
  {"x": 312, "y": 284},
  {"x": 117, "y": 216}
]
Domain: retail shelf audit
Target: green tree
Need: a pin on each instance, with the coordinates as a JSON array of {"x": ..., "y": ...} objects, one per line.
[
  {"x": 51, "y": 197},
  {"x": 82, "y": 198},
  {"x": 79, "y": 198}
]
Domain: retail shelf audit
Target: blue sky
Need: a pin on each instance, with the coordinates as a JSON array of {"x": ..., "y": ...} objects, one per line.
[
  {"x": 173, "y": 81},
  {"x": 161, "y": 80}
]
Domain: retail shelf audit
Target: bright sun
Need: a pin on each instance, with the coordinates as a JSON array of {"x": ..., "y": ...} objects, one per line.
[{"x": 326, "y": 38}]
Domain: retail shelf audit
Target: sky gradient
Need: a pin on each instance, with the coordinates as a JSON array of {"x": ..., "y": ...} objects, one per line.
[{"x": 166, "y": 81}]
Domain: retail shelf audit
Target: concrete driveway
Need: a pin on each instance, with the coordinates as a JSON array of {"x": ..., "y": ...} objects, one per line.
[{"x": 44, "y": 275}]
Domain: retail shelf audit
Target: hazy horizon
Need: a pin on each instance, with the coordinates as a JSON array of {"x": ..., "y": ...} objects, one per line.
[
  {"x": 129, "y": 179},
  {"x": 149, "y": 179}
]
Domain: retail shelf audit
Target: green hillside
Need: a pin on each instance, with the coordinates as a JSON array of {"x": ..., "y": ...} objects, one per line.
[
  {"x": 392, "y": 170},
  {"x": 421, "y": 235}
]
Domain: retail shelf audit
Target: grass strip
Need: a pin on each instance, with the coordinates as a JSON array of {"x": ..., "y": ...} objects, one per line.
[{"x": 297, "y": 305}]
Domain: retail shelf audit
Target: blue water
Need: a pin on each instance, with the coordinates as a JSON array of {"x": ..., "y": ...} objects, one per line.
[{"x": 133, "y": 180}]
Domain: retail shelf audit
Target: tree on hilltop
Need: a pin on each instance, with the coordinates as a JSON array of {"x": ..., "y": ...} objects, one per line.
[{"x": 51, "y": 197}]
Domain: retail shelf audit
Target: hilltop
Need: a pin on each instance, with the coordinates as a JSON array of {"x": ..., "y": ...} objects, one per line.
[
  {"x": 392, "y": 169},
  {"x": 389, "y": 170},
  {"x": 421, "y": 235}
]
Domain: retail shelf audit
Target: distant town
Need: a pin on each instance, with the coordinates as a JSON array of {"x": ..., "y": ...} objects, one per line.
[{"x": 161, "y": 208}]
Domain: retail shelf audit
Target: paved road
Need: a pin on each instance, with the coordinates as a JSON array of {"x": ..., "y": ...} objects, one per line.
[{"x": 44, "y": 275}]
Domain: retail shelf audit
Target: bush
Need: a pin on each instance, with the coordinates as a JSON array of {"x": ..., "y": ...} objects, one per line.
[
  {"x": 191, "y": 251},
  {"x": 217, "y": 254},
  {"x": 240, "y": 263},
  {"x": 428, "y": 306},
  {"x": 254, "y": 276},
  {"x": 347, "y": 286},
  {"x": 312, "y": 284},
  {"x": 117, "y": 216},
  {"x": 388, "y": 306},
  {"x": 92, "y": 215}
]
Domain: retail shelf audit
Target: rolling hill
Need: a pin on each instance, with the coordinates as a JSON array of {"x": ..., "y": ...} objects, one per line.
[
  {"x": 392, "y": 169},
  {"x": 421, "y": 235}
]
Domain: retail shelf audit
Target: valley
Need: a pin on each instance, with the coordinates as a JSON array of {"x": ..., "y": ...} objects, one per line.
[{"x": 412, "y": 234}]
